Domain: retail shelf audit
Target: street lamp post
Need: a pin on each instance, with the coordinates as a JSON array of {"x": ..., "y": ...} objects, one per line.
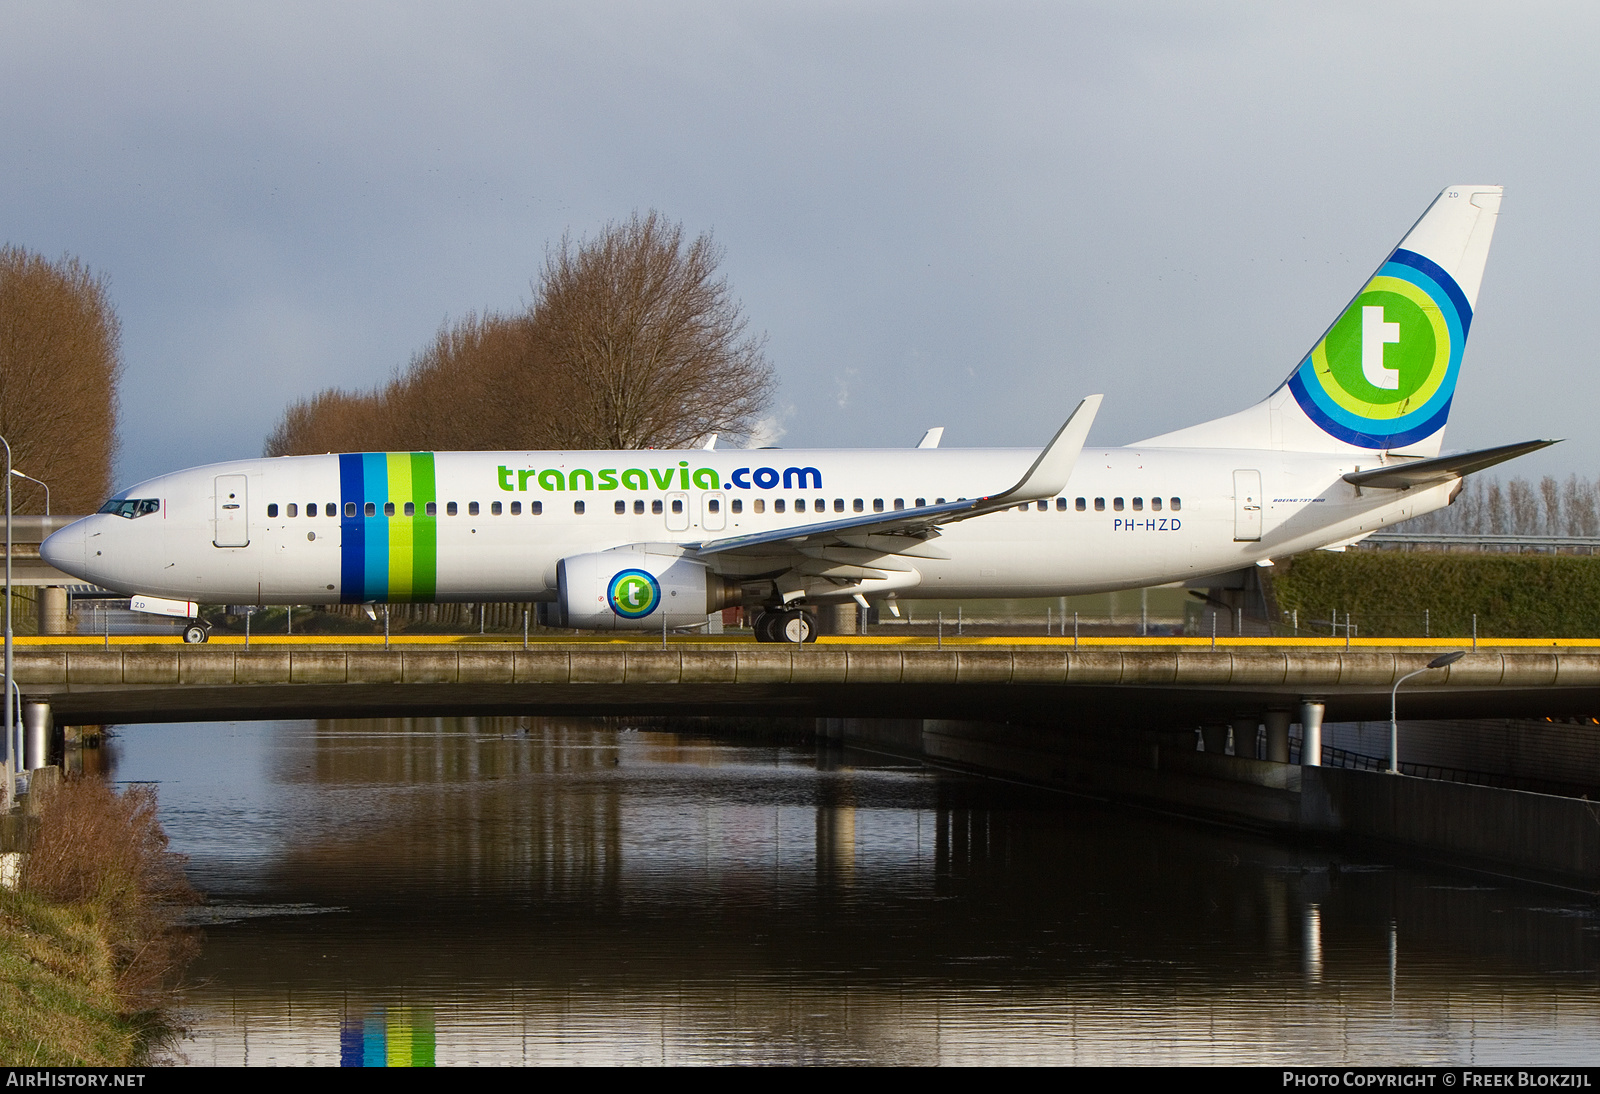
[
  {"x": 9, "y": 798},
  {"x": 42, "y": 483},
  {"x": 1394, "y": 725}
]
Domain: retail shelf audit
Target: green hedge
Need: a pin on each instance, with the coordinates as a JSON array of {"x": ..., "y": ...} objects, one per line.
[{"x": 1387, "y": 592}]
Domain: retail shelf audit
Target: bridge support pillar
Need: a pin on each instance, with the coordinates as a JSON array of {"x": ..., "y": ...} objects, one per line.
[
  {"x": 1215, "y": 738},
  {"x": 1311, "y": 732},
  {"x": 1245, "y": 729},
  {"x": 1277, "y": 722},
  {"x": 36, "y": 727},
  {"x": 52, "y": 609},
  {"x": 836, "y": 618}
]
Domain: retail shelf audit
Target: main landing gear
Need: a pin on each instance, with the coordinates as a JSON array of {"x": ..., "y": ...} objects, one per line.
[
  {"x": 789, "y": 625},
  {"x": 196, "y": 632}
]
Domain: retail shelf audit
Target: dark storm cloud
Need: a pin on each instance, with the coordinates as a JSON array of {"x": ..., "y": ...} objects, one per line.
[{"x": 956, "y": 215}]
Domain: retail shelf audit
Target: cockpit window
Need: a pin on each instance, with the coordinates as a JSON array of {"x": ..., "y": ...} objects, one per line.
[{"x": 132, "y": 507}]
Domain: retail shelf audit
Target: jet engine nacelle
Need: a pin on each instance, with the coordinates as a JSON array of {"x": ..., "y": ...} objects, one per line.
[{"x": 636, "y": 589}]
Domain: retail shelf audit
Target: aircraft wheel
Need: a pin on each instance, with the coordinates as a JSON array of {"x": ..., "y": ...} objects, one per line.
[
  {"x": 765, "y": 626},
  {"x": 196, "y": 633},
  {"x": 797, "y": 627}
]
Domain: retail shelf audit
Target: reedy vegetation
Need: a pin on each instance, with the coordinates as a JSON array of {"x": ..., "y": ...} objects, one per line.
[{"x": 88, "y": 942}]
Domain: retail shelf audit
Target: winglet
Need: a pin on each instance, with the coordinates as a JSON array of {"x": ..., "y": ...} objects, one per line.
[
  {"x": 931, "y": 438},
  {"x": 1049, "y": 474}
]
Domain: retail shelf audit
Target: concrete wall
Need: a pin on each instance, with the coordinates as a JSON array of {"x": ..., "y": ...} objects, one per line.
[
  {"x": 1533, "y": 836},
  {"x": 1557, "y": 752}
]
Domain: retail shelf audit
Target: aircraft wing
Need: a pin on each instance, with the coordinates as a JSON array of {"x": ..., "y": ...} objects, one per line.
[
  {"x": 1045, "y": 479},
  {"x": 1401, "y": 476}
]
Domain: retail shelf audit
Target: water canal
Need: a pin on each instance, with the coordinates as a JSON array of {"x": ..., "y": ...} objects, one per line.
[{"x": 555, "y": 891}]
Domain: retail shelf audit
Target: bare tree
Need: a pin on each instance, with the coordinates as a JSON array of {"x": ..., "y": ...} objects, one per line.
[
  {"x": 60, "y": 358},
  {"x": 633, "y": 341},
  {"x": 1550, "y": 491},
  {"x": 1582, "y": 516},
  {"x": 657, "y": 351}
]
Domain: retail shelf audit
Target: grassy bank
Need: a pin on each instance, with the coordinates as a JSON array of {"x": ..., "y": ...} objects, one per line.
[
  {"x": 88, "y": 946},
  {"x": 1387, "y": 593}
]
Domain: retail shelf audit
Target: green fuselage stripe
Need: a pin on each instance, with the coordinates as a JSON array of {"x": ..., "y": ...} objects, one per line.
[{"x": 425, "y": 529}]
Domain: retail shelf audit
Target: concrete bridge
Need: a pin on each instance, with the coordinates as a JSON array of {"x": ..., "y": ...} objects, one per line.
[
  {"x": 1113, "y": 718},
  {"x": 1042, "y": 681}
]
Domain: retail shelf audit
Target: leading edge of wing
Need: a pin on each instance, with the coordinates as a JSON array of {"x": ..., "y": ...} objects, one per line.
[{"x": 1046, "y": 478}]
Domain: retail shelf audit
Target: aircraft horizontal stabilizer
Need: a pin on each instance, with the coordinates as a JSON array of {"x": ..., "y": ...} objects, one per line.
[{"x": 1403, "y": 476}]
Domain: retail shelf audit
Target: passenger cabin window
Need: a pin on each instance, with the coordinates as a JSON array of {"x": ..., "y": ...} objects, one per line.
[
  {"x": 1081, "y": 504},
  {"x": 1155, "y": 503},
  {"x": 371, "y": 509},
  {"x": 577, "y": 507},
  {"x": 272, "y": 509},
  {"x": 349, "y": 508},
  {"x": 820, "y": 505},
  {"x": 899, "y": 503},
  {"x": 655, "y": 507},
  {"x": 332, "y": 510},
  {"x": 494, "y": 509},
  {"x": 1061, "y": 505},
  {"x": 877, "y": 505},
  {"x": 714, "y": 505},
  {"x": 293, "y": 509},
  {"x": 677, "y": 505},
  {"x": 472, "y": 508},
  {"x": 1099, "y": 505},
  {"x": 411, "y": 508},
  {"x": 1024, "y": 507},
  {"x": 1176, "y": 504},
  {"x": 638, "y": 508},
  {"x": 1116, "y": 504},
  {"x": 859, "y": 506},
  {"x": 1138, "y": 505},
  {"x": 433, "y": 509},
  {"x": 838, "y": 505},
  {"x": 388, "y": 508},
  {"x": 516, "y": 508},
  {"x": 620, "y": 508},
  {"x": 799, "y": 505},
  {"x": 132, "y": 508},
  {"x": 450, "y": 509},
  {"x": 921, "y": 502},
  {"x": 536, "y": 508},
  {"x": 778, "y": 506},
  {"x": 759, "y": 505},
  {"x": 737, "y": 505},
  {"x": 1041, "y": 506}
]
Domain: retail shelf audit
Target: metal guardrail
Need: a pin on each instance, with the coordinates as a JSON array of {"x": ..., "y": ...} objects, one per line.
[
  {"x": 1587, "y": 544},
  {"x": 33, "y": 529},
  {"x": 1359, "y": 761}
]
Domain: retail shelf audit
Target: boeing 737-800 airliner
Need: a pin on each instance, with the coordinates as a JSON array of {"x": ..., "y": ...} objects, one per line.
[{"x": 1349, "y": 443}]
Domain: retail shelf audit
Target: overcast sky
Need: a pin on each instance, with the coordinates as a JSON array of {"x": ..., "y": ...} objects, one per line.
[{"x": 961, "y": 215}]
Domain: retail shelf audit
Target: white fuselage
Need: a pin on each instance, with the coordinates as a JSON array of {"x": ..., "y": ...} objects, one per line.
[{"x": 1129, "y": 517}]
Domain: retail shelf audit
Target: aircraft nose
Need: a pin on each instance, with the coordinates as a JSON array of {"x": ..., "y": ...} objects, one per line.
[{"x": 65, "y": 550}]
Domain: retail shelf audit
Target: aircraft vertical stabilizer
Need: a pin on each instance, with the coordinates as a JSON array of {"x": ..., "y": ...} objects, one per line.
[{"x": 1382, "y": 377}]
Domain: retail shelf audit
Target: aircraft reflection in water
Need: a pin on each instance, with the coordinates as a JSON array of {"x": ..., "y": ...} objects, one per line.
[
  {"x": 564, "y": 891},
  {"x": 397, "y": 1037}
]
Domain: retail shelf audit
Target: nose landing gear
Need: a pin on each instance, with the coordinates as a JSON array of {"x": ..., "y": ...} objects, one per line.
[{"x": 196, "y": 632}]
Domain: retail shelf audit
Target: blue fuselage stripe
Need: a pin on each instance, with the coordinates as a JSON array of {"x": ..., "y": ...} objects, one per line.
[
  {"x": 375, "y": 481},
  {"x": 352, "y": 531}
]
